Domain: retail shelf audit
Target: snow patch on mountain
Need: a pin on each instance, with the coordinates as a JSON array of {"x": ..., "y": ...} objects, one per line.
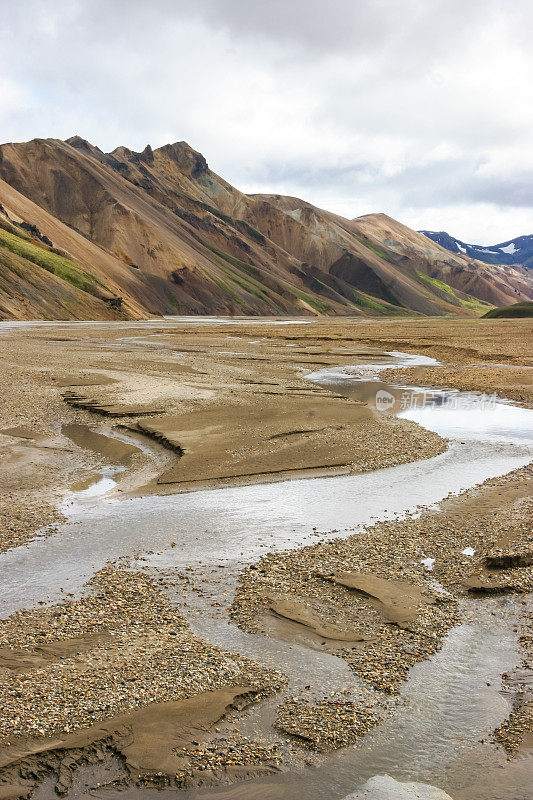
[{"x": 517, "y": 252}]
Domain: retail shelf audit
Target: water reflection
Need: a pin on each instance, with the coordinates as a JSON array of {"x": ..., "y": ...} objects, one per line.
[
  {"x": 6, "y": 325},
  {"x": 448, "y": 412}
]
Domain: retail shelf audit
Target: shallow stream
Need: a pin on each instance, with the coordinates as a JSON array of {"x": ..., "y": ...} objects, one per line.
[
  {"x": 453, "y": 699},
  {"x": 235, "y": 525}
]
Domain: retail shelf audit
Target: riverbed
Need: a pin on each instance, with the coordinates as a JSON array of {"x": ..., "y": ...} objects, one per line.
[{"x": 451, "y": 701}]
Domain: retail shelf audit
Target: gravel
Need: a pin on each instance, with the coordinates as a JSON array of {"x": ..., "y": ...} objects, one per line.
[
  {"x": 394, "y": 550},
  {"x": 326, "y": 725},
  {"x": 149, "y": 656}
]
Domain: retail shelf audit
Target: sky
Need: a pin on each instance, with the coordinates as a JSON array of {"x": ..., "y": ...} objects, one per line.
[{"x": 422, "y": 110}]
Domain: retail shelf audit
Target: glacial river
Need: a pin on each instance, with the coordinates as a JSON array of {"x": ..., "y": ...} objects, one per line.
[{"x": 451, "y": 701}]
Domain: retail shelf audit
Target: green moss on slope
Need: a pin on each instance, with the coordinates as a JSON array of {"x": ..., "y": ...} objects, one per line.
[
  {"x": 470, "y": 302},
  {"x": 444, "y": 287},
  {"x": 58, "y": 265}
]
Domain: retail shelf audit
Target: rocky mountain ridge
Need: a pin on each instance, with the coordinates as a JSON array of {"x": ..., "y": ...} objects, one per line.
[{"x": 157, "y": 232}]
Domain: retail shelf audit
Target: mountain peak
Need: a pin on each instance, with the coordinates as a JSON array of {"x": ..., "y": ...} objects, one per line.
[
  {"x": 83, "y": 145},
  {"x": 188, "y": 160},
  {"x": 122, "y": 152},
  {"x": 147, "y": 154}
]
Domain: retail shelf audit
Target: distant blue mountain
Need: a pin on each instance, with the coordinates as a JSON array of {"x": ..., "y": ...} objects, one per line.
[{"x": 515, "y": 252}]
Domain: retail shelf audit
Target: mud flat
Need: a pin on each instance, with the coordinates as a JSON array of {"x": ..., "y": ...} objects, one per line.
[
  {"x": 349, "y": 596},
  {"x": 155, "y": 377},
  {"x": 178, "y": 366}
]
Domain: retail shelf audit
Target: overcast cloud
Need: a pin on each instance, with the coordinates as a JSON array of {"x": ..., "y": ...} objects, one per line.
[{"x": 419, "y": 109}]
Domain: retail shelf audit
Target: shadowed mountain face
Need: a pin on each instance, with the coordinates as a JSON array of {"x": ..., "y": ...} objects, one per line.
[
  {"x": 87, "y": 234},
  {"x": 518, "y": 251}
]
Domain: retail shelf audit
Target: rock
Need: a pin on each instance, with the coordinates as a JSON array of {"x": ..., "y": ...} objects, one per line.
[
  {"x": 113, "y": 302},
  {"x": 479, "y": 584},
  {"x": 501, "y": 559},
  {"x": 383, "y": 787}
]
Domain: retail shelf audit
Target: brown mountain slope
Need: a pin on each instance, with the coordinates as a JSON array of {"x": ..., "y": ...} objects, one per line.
[
  {"x": 491, "y": 285},
  {"x": 346, "y": 251},
  {"x": 114, "y": 277},
  {"x": 167, "y": 235},
  {"x": 194, "y": 263}
]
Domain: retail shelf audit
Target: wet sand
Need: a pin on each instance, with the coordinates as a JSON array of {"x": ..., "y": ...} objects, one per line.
[
  {"x": 219, "y": 370},
  {"x": 228, "y": 403},
  {"x": 403, "y": 620},
  {"x": 233, "y": 380}
]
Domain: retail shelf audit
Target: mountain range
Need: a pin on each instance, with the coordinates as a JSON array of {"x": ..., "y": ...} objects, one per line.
[
  {"x": 518, "y": 251},
  {"x": 91, "y": 235}
]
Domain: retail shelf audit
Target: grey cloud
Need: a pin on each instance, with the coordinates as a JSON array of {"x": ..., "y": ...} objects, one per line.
[
  {"x": 351, "y": 99},
  {"x": 445, "y": 183},
  {"x": 458, "y": 182}
]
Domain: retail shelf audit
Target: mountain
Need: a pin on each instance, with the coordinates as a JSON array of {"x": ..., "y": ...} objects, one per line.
[
  {"x": 518, "y": 251},
  {"x": 517, "y": 310},
  {"x": 87, "y": 234}
]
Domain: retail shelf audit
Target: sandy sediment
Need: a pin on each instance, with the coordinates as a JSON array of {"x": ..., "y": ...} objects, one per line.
[
  {"x": 120, "y": 667},
  {"x": 512, "y": 381},
  {"x": 262, "y": 440},
  {"x": 114, "y": 450},
  {"x": 299, "y": 616},
  {"x": 231, "y": 405},
  {"x": 232, "y": 397},
  {"x": 375, "y": 581},
  {"x": 396, "y": 601},
  {"x": 154, "y": 745}
]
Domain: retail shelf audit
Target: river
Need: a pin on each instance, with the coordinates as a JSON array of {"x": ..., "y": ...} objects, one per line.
[{"x": 451, "y": 701}]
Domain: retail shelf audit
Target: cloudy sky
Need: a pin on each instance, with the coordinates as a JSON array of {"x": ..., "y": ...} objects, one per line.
[{"x": 419, "y": 109}]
